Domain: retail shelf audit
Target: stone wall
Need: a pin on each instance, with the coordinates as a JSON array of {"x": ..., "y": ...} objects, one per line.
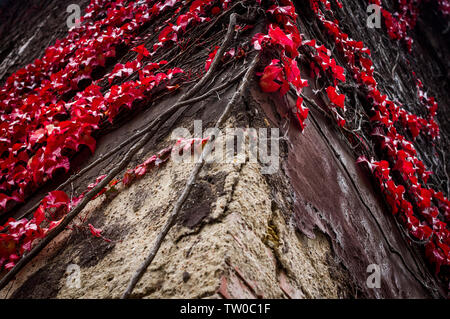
[{"x": 308, "y": 231}]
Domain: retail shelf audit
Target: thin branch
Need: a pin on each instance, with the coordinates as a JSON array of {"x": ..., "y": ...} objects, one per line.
[
  {"x": 191, "y": 180},
  {"x": 209, "y": 28},
  {"x": 215, "y": 63}
]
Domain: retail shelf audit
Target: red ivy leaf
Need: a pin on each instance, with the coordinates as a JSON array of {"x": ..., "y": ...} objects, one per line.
[
  {"x": 211, "y": 58},
  {"x": 141, "y": 50},
  {"x": 271, "y": 72},
  {"x": 94, "y": 231},
  {"x": 336, "y": 98}
]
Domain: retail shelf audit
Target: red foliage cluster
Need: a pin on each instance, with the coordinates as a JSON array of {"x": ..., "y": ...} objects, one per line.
[
  {"x": 424, "y": 211},
  {"x": 283, "y": 72},
  {"x": 326, "y": 62},
  {"x": 323, "y": 59},
  {"x": 21, "y": 234},
  {"x": 284, "y": 35},
  {"x": 39, "y": 130},
  {"x": 399, "y": 23},
  {"x": 444, "y": 6}
]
